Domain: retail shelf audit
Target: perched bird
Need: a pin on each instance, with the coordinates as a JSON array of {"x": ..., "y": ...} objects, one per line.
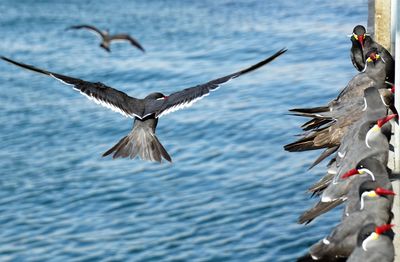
[
  {"x": 373, "y": 75},
  {"x": 373, "y": 144},
  {"x": 357, "y": 47},
  {"x": 374, "y": 243},
  {"x": 106, "y": 38},
  {"x": 359, "y": 110},
  {"x": 337, "y": 111},
  {"x": 353, "y": 137},
  {"x": 142, "y": 140},
  {"x": 343, "y": 239},
  {"x": 362, "y": 43},
  {"x": 349, "y": 98},
  {"x": 377, "y": 180},
  {"x": 330, "y": 136}
]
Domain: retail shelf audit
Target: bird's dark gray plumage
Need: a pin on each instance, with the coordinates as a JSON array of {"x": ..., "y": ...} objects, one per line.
[
  {"x": 371, "y": 142},
  {"x": 357, "y": 47},
  {"x": 374, "y": 243},
  {"x": 366, "y": 137},
  {"x": 142, "y": 140},
  {"x": 371, "y": 105},
  {"x": 362, "y": 43},
  {"x": 107, "y": 38},
  {"x": 343, "y": 239},
  {"x": 373, "y": 75},
  {"x": 373, "y": 108},
  {"x": 345, "y": 108},
  {"x": 378, "y": 177}
]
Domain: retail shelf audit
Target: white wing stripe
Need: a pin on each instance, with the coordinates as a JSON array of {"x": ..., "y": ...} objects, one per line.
[
  {"x": 182, "y": 105},
  {"x": 120, "y": 40},
  {"x": 62, "y": 81},
  {"x": 186, "y": 104},
  {"x": 106, "y": 104}
]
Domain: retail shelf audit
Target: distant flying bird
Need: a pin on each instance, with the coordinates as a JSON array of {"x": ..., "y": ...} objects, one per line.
[
  {"x": 107, "y": 38},
  {"x": 142, "y": 139}
]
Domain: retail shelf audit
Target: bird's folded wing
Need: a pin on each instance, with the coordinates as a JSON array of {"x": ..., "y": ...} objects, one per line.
[
  {"x": 318, "y": 209},
  {"x": 349, "y": 226},
  {"x": 188, "y": 96},
  {"x": 98, "y": 92}
]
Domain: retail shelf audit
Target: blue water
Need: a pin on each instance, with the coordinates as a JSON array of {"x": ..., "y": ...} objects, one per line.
[{"x": 232, "y": 192}]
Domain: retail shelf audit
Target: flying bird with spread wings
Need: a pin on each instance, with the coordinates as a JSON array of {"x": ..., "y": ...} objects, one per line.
[
  {"x": 106, "y": 38},
  {"x": 142, "y": 140}
]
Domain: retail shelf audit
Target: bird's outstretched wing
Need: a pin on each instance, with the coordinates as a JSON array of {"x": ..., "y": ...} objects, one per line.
[
  {"x": 89, "y": 27},
  {"x": 188, "y": 96},
  {"x": 125, "y": 37},
  {"x": 98, "y": 92}
]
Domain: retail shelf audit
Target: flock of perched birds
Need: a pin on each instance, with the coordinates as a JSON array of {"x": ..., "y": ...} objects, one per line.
[
  {"x": 354, "y": 127},
  {"x": 142, "y": 140}
]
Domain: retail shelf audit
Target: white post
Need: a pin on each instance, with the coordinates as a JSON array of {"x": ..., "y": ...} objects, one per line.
[
  {"x": 395, "y": 46},
  {"x": 393, "y": 22},
  {"x": 395, "y": 51}
]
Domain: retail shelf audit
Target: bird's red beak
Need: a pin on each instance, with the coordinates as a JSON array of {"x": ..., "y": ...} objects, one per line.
[
  {"x": 393, "y": 89},
  {"x": 384, "y": 120},
  {"x": 382, "y": 191},
  {"x": 372, "y": 56},
  {"x": 350, "y": 173},
  {"x": 383, "y": 228},
  {"x": 360, "y": 39}
]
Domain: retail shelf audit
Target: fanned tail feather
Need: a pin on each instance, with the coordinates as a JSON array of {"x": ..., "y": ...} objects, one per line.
[{"x": 142, "y": 143}]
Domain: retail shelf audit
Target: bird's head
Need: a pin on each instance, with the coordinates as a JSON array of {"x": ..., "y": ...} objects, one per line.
[
  {"x": 368, "y": 166},
  {"x": 375, "y": 129},
  {"x": 359, "y": 34},
  {"x": 373, "y": 56},
  {"x": 372, "y": 232},
  {"x": 364, "y": 167},
  {"x": 370, "y": 190}
]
